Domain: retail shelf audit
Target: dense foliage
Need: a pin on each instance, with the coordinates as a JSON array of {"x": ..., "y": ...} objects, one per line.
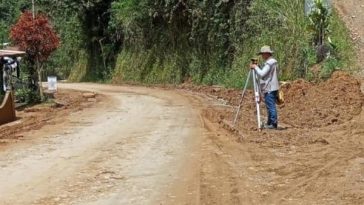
[
  {"x": 9, "y": 12},
  {"x": 173, "y": 41}
]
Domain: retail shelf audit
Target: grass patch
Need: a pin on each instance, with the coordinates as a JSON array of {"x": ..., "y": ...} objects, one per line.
[{"x": 345, "y": 48}]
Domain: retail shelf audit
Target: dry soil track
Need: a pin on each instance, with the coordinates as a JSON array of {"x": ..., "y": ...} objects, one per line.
[
  {"x": 155, "y": 146},
  {"x": 138, "y": 147}
]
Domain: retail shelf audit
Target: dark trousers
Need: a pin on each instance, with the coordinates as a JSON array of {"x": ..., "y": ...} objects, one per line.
[{"x": 270, "y": 102}]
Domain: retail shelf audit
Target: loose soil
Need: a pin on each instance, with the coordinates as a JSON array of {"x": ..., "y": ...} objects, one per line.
[
  {"x": 33, "y": 118},
  {"x": 316, "y": 158},
  {"x": 163, "y": 146},
  {"x": 307, "y": 105}
]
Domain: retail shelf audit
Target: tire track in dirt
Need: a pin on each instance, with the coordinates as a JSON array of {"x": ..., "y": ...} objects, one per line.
[
  {"x": 290, "y": 174},
  {"x": 133, "y": 149},
  {"x": 321, "y": 165},
  {"x": 221, "y": 183},
  {"x": 330, "y": 170}
]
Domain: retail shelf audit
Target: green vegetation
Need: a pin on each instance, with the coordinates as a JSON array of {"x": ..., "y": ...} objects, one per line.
[
  {"x": 33, "y": 34},
  {"x": 334, "y": 48},
  {"x": 9, "y": 13},
  {"x": 344, "y": 51},
  {"x": 173, "y": 41}
]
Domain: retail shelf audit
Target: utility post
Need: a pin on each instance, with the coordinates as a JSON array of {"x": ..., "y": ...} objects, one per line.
[
  {"x": 38, "y": 67},
  {"x": 33, "y": 9}
]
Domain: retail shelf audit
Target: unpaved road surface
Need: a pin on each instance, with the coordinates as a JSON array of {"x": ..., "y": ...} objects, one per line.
[
  {"x": 140, "y": 147},
  {"x": 155, "y": 146}
]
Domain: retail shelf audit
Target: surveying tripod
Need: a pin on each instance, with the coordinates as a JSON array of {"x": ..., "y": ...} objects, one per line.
[{"x": 253, "y": 75}]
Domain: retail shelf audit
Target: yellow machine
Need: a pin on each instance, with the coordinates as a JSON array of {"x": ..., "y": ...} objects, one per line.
[
  {"x": 7, "y": 109},
  {"x": 7, "y": 106}
]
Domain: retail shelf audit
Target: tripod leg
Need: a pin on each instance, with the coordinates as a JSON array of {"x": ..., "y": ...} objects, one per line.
[
  {"x": 257, "y": 99},
  {"x": 242, "y": 98}
]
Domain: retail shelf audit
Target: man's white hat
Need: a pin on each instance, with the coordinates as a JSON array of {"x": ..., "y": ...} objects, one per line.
[{"x": 265, "y": 49}]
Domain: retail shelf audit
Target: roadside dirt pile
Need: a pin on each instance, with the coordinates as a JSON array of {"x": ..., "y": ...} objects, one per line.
[
  {"x": 332, "y": 102},
  {"x": 308, "y": 106},
  {"x": 35, "y": 117}
]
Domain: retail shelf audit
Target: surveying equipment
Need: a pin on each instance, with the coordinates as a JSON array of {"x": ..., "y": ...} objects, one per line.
[{"x": 252, "y": 74}]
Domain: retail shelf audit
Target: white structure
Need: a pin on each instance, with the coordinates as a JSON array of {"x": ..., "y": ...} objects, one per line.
[
  {"x": 52, "y": 83},
  {"x": 310, "y": 5}
]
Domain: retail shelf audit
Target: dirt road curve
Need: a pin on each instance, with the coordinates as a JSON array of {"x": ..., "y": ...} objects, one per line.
[
  {"x": 138, "y": 148},
  {"x": 155, "y": 146}
]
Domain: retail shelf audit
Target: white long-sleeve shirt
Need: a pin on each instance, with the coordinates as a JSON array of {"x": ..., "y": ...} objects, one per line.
[{"x": 268, "y": 75}]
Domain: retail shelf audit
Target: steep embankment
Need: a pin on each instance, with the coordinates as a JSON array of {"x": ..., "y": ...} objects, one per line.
[{"x": 352, "y": 12}]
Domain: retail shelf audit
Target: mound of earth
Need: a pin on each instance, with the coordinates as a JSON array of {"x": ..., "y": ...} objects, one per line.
[
  {"x": 332, "y": 102},
  {"x": 308, "y": 106}
]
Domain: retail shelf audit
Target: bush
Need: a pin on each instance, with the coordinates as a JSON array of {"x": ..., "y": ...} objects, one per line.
[
  {"x": 214, "y": 41},
  {"x": 28, "y": 96},
  {"x": 343, "y": 46}
]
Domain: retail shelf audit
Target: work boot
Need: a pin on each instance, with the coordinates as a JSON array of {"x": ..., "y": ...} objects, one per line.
[{"x": 270, "y": 127}]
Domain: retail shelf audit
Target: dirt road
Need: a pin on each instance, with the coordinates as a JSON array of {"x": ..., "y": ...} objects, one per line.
[
  {"x": 155, "y": 146},
  {"x": 140, "y": 147}
]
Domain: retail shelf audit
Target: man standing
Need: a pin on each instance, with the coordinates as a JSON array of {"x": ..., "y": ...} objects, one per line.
[{"x": 269, "y": 83}]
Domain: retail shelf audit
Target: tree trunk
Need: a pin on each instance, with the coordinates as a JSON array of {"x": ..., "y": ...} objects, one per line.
[{"x": 39, "y": 72}]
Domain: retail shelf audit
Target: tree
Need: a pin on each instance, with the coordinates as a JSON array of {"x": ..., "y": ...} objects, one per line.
[
  {"x": 98, "y": 41},
  {"x": 319, "y": 19},
  {"x": 320, "y": 22},
  {"x": 37, "y": 37}
]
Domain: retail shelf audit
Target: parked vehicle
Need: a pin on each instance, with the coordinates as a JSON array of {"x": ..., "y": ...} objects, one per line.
[{"x": 10, "y": 69}]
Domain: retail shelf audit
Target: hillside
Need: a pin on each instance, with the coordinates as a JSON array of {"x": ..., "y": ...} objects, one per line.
[{"x": 159, "y": 42}]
